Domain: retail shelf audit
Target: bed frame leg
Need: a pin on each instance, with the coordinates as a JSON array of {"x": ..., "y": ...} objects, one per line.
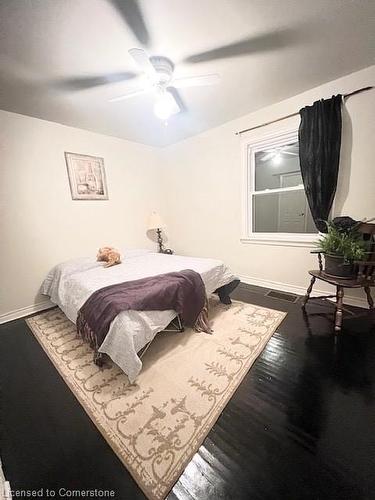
[
  {"x": 99, "y": 359},
  {"x": 225, "y": 291},
  {"x": 224, "y": 298},
  {"x": 180, "y": 325}
]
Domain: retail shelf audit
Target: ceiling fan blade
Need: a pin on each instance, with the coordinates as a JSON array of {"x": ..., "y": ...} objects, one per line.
[
  {"x": 143, "y": 61},
  {"x": 131, "y": 12},
  {"x": 128, "y": 95},
  {"x": 175, "y": 107},
  {"x": 177, "y": 97},
  {"x": 87, "y": 82},
  {"x": 196, "y": 81},
  {"x": 260, "y": 43}
]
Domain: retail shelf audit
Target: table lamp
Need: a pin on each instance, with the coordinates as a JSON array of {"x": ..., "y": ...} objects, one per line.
[{"x": 155, "y": 222}]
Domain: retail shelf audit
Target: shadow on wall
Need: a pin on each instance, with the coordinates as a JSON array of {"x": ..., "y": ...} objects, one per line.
[{"x": 345, "y": 162}]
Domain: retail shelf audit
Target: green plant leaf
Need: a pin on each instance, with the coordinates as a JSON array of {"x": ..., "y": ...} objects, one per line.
[{"x": 349, "y": 245}]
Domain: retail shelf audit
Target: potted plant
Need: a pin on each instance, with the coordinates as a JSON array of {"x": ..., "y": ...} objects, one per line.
[{"x": 341, "y": 246}]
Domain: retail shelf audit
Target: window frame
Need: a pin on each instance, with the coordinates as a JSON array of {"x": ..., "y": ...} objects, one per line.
[{"x": 249, "y": 148}]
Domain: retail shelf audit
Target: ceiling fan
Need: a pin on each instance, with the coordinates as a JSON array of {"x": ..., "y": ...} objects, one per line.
[
  {"x": 158, "y": 72},
  {"x": 276, "y": 154}
]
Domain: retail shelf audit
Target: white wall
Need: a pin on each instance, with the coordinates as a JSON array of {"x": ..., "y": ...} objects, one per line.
[
  {"x": 40, "y": 224},
  {"x": 203, "y": 179},
  {"x": 195, "y": 184}
]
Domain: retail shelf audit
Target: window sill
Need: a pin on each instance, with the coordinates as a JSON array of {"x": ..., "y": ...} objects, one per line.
[{"x": 282, "y": 239}]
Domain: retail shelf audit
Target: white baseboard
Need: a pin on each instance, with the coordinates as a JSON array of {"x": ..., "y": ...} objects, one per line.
[
  {"x": 299, "y": 290},
  {"x": 25, "y": 311}
]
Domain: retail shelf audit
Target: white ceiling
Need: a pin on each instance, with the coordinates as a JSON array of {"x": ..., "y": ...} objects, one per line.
[{"x": 289, "y": 45}]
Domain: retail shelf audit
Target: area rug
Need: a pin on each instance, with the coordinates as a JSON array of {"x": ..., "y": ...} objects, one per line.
[{"x": 157, "y": 424}]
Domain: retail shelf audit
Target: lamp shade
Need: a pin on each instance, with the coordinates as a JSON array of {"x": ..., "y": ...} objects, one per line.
[{"x": 155, "y": 221}]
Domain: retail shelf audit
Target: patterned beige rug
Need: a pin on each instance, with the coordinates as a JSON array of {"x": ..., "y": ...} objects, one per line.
[{"x": 157, "y": 424}]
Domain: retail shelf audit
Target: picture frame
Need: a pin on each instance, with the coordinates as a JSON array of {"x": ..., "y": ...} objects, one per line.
[{"x": 87, "y": 178}]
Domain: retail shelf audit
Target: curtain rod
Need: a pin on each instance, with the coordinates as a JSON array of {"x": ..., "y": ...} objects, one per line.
[{"x": 345, "y": 96}]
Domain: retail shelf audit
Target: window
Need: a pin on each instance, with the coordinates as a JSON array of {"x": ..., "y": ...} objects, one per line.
[{"x": 275, "y": 204}]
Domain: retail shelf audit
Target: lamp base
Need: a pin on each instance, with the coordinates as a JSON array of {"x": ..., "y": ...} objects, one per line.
[
  {"x": 167, "y": 251},
  {"x": 160, "y": 241}
]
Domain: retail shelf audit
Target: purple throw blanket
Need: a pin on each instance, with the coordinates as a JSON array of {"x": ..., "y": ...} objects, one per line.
[{"x": 182, "y": 291}]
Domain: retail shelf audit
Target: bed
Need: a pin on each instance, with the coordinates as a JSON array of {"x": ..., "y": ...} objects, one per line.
[{"x": 71, "y": 283}]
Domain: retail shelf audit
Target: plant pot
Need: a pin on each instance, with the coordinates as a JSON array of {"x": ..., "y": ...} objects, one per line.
[{"x": 336, "y": 266}]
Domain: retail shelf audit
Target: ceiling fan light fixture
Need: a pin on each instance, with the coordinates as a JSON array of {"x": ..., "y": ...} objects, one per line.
[
  {"x": 277, "y": 158},
  {"x": 157, "y": 75},
  {"x": 165, "y": 106}
]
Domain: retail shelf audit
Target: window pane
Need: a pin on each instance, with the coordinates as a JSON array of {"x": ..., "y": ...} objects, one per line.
[
  {"x": 285, "y": 212},
  {"x": 277, "y": 167}
]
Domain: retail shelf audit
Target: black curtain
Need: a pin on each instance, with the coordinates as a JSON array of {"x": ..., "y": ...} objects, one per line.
[{"x": 319, "y": 138}]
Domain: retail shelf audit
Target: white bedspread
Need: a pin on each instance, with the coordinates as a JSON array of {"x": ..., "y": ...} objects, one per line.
[{"x": 71, "y": 283}]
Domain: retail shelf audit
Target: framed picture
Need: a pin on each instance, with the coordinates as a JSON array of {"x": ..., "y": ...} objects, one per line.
[{"x": 86, "y": 177}]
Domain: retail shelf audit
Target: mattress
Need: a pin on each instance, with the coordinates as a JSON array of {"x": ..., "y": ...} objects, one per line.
[{"x": 71, "y": 283}]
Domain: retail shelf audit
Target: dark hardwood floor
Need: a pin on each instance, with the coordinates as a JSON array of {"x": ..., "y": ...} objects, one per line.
[{"x": 300, "y": 426}]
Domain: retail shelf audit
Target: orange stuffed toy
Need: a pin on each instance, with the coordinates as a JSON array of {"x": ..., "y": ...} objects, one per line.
[{"x": 109, "y": 255}]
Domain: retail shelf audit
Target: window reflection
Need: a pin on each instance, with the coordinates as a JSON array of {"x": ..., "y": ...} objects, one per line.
[{"x": 286, "y": 210}]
